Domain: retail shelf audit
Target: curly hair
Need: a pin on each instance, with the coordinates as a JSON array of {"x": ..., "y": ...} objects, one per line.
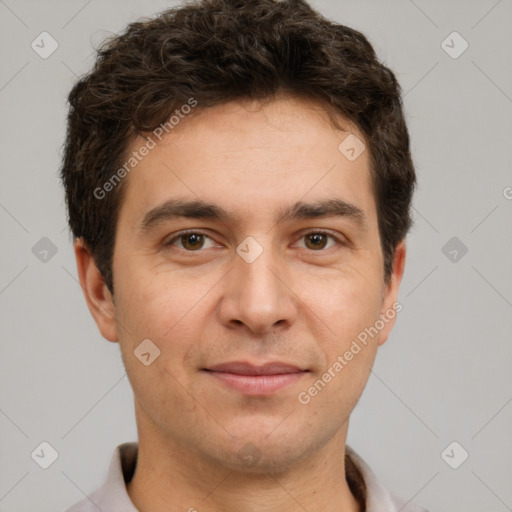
[{"x": 216, "y": 51}]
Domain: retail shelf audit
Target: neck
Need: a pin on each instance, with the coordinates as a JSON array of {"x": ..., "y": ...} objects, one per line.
[{"x": 170, "y": 478}]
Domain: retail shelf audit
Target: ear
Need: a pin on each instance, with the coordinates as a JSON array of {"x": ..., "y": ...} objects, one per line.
[
  {"x": 390, "y": 305},
  {"x": 98, "y": 297}
]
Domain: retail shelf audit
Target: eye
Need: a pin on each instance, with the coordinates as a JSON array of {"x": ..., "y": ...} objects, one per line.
[
  {"x": 190, "y": 241},
  {"x": 318, "y": 240},
  {"x": 194, "y": 241}
]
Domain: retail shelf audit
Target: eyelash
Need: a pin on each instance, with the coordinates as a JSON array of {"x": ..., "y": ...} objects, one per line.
[{"x": 198, "y": 232}]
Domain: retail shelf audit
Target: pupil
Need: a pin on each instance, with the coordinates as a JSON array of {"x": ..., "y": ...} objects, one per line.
[
  {"x": 317, "y": 237},
  {"x": 193, "y": 240}
]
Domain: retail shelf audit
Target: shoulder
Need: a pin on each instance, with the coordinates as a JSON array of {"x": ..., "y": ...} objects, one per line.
[
  {"x": 406, "y": 506},
  {"x": 377, "y": 497},
  {"x": 112, "y": 496},
  {"x": 85, "y": 505}
]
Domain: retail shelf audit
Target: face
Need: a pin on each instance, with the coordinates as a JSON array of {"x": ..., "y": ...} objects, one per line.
[{"x": 248, "y": 253}]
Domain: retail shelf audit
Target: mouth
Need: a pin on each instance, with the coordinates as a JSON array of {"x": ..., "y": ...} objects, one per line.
[{"x": 254, "y": 380}]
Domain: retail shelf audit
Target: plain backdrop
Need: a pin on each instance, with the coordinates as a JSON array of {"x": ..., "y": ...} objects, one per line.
[{"x": 444, "y": 374}]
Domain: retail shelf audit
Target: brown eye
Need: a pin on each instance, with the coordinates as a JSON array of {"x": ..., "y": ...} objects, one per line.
[
  {"x": 192, "y": 241},
  {"x": 319, "y": 240},
  {"x": 316, "y": 240}
]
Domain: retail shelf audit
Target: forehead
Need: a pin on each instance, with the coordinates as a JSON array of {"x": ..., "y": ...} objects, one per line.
[{"x": 250, "y": 156}]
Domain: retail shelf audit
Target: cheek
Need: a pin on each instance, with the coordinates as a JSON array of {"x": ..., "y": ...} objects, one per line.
[
  {"x": 172, "y": 311},
  {"x": 161, "y": 304},
  {"x": 170, "y": 317},
  {"x": 344, "y": 309},
  {"x": 346, "y": 302}
]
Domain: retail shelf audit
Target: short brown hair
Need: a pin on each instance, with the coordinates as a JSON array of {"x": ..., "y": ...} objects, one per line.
[{"x": 220, "y": 50}]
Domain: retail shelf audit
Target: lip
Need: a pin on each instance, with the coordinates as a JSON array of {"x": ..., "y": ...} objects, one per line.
[{"x": 256, "y": 380}]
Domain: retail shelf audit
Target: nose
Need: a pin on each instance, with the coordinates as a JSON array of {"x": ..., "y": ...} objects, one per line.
[{"x": 258, "y": 295}]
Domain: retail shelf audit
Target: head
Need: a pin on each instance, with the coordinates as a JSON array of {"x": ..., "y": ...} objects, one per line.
[{"x": 230, "y": 119}]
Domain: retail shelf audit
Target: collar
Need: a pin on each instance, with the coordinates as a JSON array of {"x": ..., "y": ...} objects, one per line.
[{"x": 113, "y": 497}]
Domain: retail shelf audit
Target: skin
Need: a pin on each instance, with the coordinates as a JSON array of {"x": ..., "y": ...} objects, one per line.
[{"x": 299, "y": 302}]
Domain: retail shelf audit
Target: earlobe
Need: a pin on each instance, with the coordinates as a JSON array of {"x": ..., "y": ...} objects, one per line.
[
  {"x": 98, "y": 297},
  {"x": 390, "y": 304}
]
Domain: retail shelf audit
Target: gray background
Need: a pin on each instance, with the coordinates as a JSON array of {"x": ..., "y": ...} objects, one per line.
[{"x": 443, "y": 376}]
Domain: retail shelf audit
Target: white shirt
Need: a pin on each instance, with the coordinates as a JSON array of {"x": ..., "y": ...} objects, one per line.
[{"x": 113, "y": 497}]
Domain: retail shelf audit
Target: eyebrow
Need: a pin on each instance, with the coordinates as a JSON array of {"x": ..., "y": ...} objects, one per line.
[{"x": 196, "y": 209}]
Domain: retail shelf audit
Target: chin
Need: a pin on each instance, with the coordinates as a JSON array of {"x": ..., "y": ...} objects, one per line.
[
  {"x": 256, "y": 460},
  {"x": 259, "y": 452}
]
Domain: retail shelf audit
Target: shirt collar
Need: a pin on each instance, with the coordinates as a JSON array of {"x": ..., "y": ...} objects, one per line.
[{"x": 112, "y": 496}]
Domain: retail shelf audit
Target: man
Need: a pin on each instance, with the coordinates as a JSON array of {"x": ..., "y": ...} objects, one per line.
[{"x": 238, "y": 180}]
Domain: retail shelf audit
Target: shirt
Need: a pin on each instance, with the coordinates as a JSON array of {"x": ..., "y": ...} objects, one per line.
[{"x": 113, "y": 497}]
